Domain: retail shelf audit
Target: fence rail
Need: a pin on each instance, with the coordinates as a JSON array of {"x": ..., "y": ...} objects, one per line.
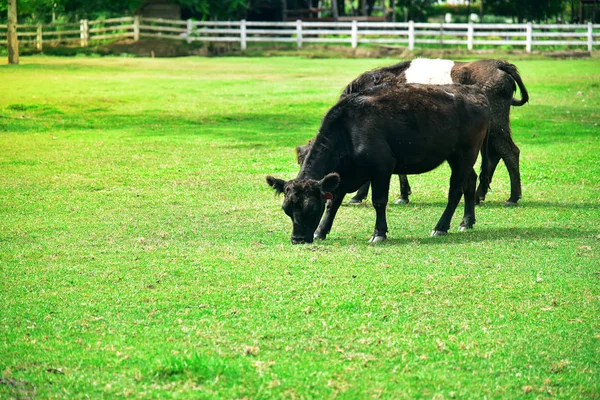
[{"x": 353, "y": 33}]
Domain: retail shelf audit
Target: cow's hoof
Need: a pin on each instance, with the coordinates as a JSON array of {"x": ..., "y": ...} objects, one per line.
[
  {"x": 510, "y": 203},
  {"x": 320, "y": 236},
  {"x": 463, "y": 228},
  {"x": 479, "y": 200},
  {"x": 402, "y": 201},
  {"x": 377, "y": 239},
  {"x": 354, "y": 201},
  {"x": 438, "y": 233}
]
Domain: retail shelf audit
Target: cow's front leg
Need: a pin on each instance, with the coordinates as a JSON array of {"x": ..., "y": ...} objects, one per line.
[
  {"x": 380, "y": 191},
  {"x": 327, "y": 221}
]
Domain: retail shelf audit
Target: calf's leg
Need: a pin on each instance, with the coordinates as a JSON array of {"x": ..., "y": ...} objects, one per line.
[
  {"x": 512, "y": 164},
  {"x": 461, "y": 168},
  {"x": 508, "y": 151},
  {"x": 469, "y": 195},
  {"x": 494, "y": 158},
  {"x": 327, "y": 221},
  {"x": 360, "y": 195},
  {"x": 404, "y": 190},
  {"x": 380, "y": 192}
]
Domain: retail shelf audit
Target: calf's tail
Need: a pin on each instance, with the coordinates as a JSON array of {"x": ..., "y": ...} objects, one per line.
[
  {"x": 511, "y": 70},
  {"x": 484, "y": 178}
]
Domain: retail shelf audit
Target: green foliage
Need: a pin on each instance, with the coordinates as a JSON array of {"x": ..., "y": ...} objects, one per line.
[
  {"x": 416, "y": 10},
  {"x": 142, "y": 254},
  {"x": 531, "y": 10},
  {"x": 220, "y": 10}
]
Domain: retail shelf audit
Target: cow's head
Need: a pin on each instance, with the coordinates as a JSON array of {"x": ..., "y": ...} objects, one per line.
[{"x": 304, "y": 203}]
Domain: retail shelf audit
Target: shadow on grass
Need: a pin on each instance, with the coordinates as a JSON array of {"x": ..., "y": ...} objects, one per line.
[
  {"x": 243, "y": 129},
  {"x": 491, "y": 204},
  {"x": 486, "y": 234}
]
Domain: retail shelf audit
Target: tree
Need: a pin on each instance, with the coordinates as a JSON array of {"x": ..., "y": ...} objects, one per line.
[
  {"x": 217, "y": 9},
  {"x": 531, "y": 10},
  {"x": 13, "y": 40},
  {"x": 416, "y": 10}
]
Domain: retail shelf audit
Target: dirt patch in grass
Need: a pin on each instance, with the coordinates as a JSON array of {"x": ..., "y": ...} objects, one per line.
[{"x": 22, "y": 389}]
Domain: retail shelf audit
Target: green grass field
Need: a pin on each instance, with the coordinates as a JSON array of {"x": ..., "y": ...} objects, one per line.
[{"x": 143, "y": 255}]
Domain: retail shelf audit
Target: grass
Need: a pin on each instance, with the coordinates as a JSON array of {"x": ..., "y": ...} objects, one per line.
[{"x": 143, "y": 255}]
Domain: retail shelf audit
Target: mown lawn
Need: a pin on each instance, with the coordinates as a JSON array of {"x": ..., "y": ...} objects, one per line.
[{"x": 143, "y": 255}]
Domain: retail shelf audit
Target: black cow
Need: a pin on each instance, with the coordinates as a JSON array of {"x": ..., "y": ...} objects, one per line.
[
  {"x": 497, "y": 78},
  {"x": 368, "y": 136}
]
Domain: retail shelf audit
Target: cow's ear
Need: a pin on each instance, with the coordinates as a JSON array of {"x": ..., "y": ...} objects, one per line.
[
  {"x": 276, "y": 184},
  {"x": 330, "y": 183}
]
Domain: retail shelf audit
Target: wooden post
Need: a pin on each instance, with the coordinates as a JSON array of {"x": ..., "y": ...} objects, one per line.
[
  {"x": 136, "y": 28},
  {"x": 441, "y": 34},
  {"x": 38, "y": 38},
  {"x": 11, "y": 34},
  {"x": 590, "y": 37},
  {"x": 529, "y": 38},
  {"x": 83, "y": 32},
  {"x": 411, "y": 35},
  {"x": 354, "y": 34},
  {"x": 188, "y": 31},
  {"x": 243, "y": 43},
  {"x": 299, "y": 32},
  {"x": 470, "y": 31}
]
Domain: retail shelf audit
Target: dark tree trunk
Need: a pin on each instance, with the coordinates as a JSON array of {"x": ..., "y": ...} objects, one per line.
[
  {"x": 481, "y": 10},
  {"x": 283, "y": 10},
  {"x": 334, "y": 9}
]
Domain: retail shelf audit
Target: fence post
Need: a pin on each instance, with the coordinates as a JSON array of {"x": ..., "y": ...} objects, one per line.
[
  {"x": 243, "y": 34},
  {"x": 529, "y": 39},
  {"x": 299, "y": 32},
  {"x": 590, "y": 36},
  {"x": 83, "y": 32},
  {"x": 38, "y": 38},
  {"x": 136, "y": 28},
  {"x": 188, "y": 31},
  {"x": 354, "y": 33},
  {"x": 470, "y": 32},
  {"x": 411, "y": 35}
]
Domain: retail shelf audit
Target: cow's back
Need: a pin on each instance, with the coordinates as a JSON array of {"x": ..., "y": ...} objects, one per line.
[{"x": 418, "y": 125}]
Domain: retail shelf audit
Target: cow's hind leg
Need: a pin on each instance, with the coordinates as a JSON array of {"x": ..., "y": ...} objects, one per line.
[
  {"x": 327, "y": 221},
  {"x": 404, "y": 190},
  {"x": 380, "y": 192},
  {"x": 494, "y": 159},
  {"x": 460, "y": 171},
  {"x": 509, "y": 152},
  {"x": 469, "y": 195},
  {"x": 360, "y": 195},
  {"x": 512, "y": 164}
]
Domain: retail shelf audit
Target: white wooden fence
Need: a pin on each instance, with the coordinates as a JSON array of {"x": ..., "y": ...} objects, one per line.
[{"x": 410, "y": 34}]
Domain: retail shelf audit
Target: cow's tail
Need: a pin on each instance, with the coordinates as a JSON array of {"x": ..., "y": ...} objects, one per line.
[
  {"x": 484, "y": 178},
  {"x": 514, "y": 73}
]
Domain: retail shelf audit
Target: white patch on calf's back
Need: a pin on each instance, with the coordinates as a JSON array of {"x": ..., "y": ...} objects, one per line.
[{"x": 429, "y": 72}]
